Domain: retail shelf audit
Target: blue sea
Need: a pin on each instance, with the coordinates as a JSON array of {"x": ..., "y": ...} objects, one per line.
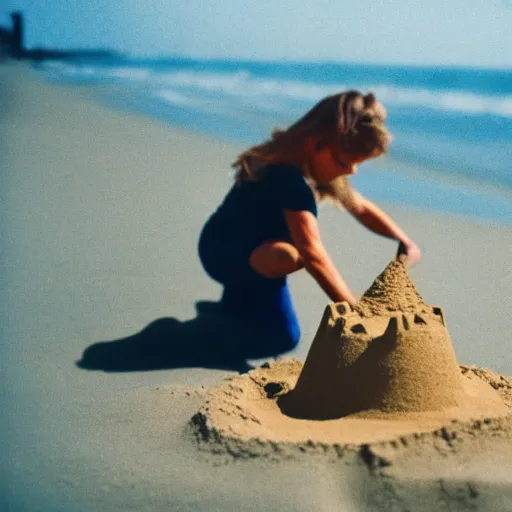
[{"x": 452, "y": 127}]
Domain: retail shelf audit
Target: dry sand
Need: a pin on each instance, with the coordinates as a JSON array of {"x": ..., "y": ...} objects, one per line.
[
  {"x": 100, "y": 216},
  {"x": 377, "y": 372},
  {"x": 246, "y": 412}
]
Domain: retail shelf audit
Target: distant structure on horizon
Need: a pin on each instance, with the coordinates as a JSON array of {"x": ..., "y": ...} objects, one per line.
[
  {"x": 11, "y": 41},
  {"x": 12, "y": 46}
]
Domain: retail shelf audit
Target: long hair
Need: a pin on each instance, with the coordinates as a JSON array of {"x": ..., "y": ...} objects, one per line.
[{"x": 350, "y": 121}]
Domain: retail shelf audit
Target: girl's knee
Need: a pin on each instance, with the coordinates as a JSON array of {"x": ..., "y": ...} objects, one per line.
[
  {"x": 286, "y": 255},
  {"x": 276, "y": 259}
]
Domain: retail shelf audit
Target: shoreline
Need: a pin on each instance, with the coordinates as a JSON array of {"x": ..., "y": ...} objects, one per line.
[
  {"x": 463, "y": 195},
  {"x": 101, "y": 211}
]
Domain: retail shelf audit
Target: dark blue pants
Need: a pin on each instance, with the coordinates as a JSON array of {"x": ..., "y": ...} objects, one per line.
[{"x": 263, "y": 304}]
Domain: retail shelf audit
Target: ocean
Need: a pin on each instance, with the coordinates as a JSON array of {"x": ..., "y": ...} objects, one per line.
[{"x": 451, "y": 127}]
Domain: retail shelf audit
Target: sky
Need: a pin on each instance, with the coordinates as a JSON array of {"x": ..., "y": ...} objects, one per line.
[{"x": 435, "y": 32}]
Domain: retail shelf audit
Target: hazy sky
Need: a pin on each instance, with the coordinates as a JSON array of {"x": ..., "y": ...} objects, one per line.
[{"x": 445, "y": 32}]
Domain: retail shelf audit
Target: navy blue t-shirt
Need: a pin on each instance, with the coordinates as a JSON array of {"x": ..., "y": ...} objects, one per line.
[
  {"x": 254, "y": 209},
  {"x": 252, "y": 213}
]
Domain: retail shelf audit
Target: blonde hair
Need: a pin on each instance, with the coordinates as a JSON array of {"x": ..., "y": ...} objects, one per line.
[{"x": 350, "y": 121}]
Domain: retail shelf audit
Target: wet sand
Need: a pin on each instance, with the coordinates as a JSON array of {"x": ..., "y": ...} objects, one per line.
[{"x": 100, "y": 216}]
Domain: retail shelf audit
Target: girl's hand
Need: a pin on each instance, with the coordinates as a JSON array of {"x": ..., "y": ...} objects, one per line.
[{"x": 410, "y": 252}]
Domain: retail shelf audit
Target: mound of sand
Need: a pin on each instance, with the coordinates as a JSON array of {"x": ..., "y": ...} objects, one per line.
[
  {"x": 391, "y": 354},
  {"x": 392, "y": 291},
  {"x": 376, "y": 372}
]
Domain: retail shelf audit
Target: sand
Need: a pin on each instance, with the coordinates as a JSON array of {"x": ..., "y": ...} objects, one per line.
[
  {"x": 100, "y": 216},
  {"x": 392, "y": 291},
  {"x": 243, "y": 416},
  {"x": 375, "y": 373}
]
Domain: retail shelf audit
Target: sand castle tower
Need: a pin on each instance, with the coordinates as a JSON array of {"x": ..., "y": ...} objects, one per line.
[{"x": 390, "y": 354}]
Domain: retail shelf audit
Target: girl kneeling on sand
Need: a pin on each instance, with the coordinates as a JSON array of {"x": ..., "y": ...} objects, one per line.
[{"x": 266, "y": 227}]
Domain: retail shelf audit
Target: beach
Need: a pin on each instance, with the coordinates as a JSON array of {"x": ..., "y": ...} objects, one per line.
[{"x": 101, "y": 212}]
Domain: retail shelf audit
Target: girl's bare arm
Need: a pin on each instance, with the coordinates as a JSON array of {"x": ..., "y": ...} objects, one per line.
[
  {"x": 306, "y": 238},
  {"x": 375, "y": 219}
]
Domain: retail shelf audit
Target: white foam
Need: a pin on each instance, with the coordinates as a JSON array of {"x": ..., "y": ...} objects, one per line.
[
  {"x": 138, "y": 74},
  {"x": 268, "y": 93},
  {"x": 445, "y": 100},
  {"x": 174, "y": 98},
  {"x": 100, "y": 72},
  {"x": 243, "y": 84}
]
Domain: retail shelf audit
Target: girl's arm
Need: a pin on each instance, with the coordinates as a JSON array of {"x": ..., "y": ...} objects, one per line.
[
  {"x": 375, "y": 219},
  {"x": 306, "y": 238}
]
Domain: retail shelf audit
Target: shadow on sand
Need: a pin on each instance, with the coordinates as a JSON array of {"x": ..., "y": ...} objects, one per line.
[{"x": 211, "y": 340}]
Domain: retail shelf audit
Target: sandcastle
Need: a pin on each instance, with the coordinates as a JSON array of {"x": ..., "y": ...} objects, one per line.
[
  {"x": 383, "y": 369},
  {"x": 391, "y": 353}
]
